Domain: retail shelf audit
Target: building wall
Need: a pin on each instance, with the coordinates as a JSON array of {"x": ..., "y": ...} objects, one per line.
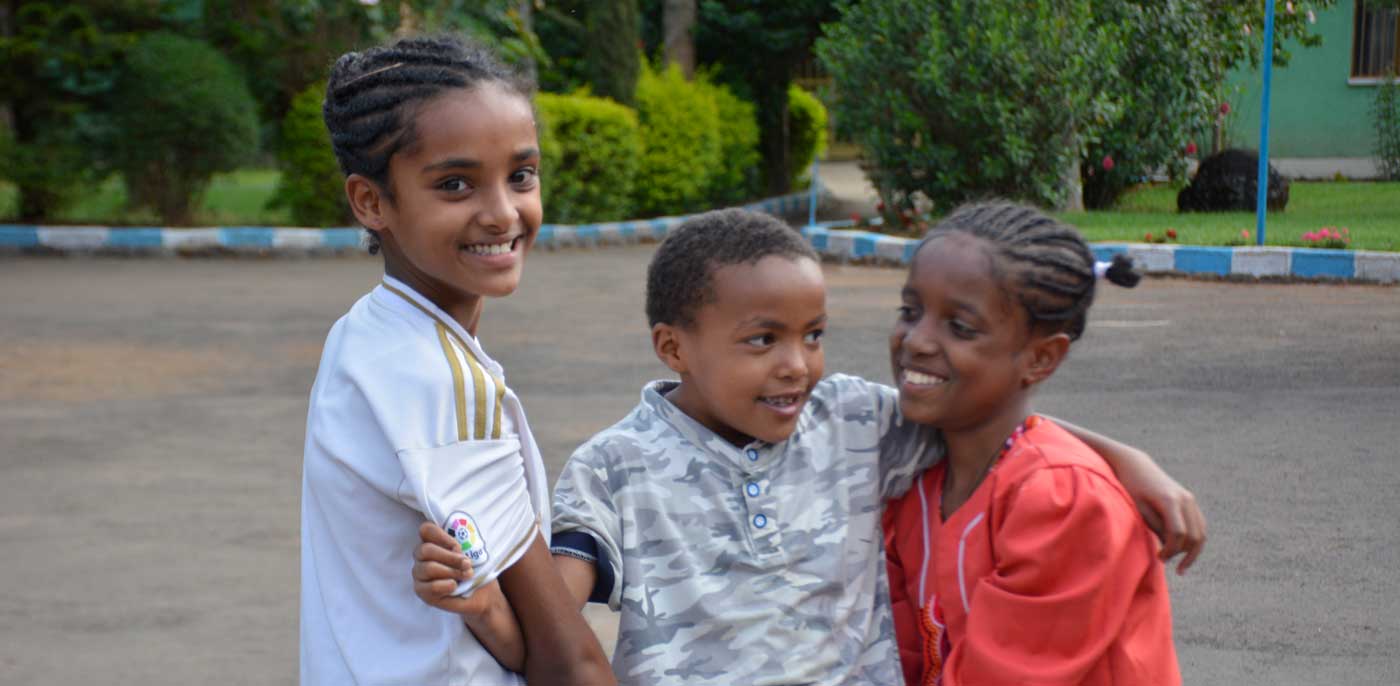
[{"x": 1315, "y": 112}]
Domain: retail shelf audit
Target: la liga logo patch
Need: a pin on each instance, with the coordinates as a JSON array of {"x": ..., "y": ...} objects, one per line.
[{"x": 462, "y": 527}]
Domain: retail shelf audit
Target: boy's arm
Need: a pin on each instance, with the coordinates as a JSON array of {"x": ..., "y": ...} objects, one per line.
[
  {"x": 560, "y": 648},
  {"x": 1171, "y": 511},
  {"x": 439, "y": 566}
]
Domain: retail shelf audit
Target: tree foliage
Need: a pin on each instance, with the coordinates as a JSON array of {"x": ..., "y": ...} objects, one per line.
[{"x": 612, "y": 51}]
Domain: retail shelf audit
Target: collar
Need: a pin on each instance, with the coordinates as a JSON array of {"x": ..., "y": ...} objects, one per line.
[
  {"x": 399, "y": 296},
  {"x": 755, "y": 456}
]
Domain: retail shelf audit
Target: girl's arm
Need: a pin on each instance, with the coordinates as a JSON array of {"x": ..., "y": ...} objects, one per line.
[
  {"x": 1171, "y": 511},
  {"x": 438, "y": 567},
  {"x": 560, "y": 648}
]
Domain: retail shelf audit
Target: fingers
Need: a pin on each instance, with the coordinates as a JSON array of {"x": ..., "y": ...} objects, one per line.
[
  {"x": 429, "y": 532},
  {"x": 1195, "y": 539},
  {"x": 425, "y": 570}
]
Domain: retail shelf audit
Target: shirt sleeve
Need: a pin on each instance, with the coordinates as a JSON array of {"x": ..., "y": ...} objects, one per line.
[
  {"x": 906, "y": 448},
  {"x": 583, "y": 502},
  {"x": 904, "y": 608},
  {"x": 1068, "y": 563},
  {"x": 477, "y": 491}
]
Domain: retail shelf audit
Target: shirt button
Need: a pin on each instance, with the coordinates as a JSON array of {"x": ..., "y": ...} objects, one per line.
[
  {"x": 753, "y": 489},
  {"x": 753, "y": 455},
  {"x": 760, "y": 521}
]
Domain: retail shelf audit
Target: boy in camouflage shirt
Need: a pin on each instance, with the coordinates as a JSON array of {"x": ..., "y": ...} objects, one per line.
[{"x": 733, "y": 517}]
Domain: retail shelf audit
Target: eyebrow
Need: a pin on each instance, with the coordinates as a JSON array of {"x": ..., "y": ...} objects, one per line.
[
  {"x": 764, "y": 323},
  {"x": 468, "y": 163}
]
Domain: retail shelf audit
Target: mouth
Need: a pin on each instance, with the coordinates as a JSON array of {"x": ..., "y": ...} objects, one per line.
[
  {"x": 917, "y": 379},
  {"x": 493, "y": 248},
  {"x": 787, "y": 404}
]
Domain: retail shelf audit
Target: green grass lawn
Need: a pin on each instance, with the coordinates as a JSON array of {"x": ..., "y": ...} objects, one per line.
[
  {"x": 1370, "y": 210},
  {"x": 235, "y": 199}
]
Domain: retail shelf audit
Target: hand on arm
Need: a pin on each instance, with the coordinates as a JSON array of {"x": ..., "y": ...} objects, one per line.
[
  {"x": 1170, "y": 510},
  {"x": 438, "y": 566}
]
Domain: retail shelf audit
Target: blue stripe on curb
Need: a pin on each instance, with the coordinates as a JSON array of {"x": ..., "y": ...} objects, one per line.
[
  {"x": 340, "y": 238},
  {"x": 1202, "y": 260},
  {"x": 545, "y": 236},
  {"x": 627, "y": 230},
  {"x": 1315, "y": 263},
  {"x": 864, "y": 244},
  {"x": 143, "y": 237},
  {"x": 245, "y": 237},
  {"x": 659, "y": 227},
  {"x": 1105, "y": 253},
  {"x": 19, "y": 236},
  {"x": 588, "y": 232}
]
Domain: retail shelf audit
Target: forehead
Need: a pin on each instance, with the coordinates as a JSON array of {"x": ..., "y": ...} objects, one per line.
[
  {"x": 775, "y": 287},
  {"x": 961, "y": 267},
  {"x": 477, "y": 123}
]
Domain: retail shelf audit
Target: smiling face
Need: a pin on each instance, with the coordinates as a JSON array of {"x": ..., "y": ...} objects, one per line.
[
  {"x": 465, "y": 203},
  {"x": 753, "y": 354},
  {"x": 961, "y": 348}
]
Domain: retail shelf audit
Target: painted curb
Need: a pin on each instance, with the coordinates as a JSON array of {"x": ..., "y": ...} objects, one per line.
[{"x": 833, "y": 239}]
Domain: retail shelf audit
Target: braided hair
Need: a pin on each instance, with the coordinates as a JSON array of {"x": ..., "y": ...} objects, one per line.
[
  {"x": 373, "y": 96},
  {"x": 680, "y": 277},
  {"x": 1042, "y": 263}
]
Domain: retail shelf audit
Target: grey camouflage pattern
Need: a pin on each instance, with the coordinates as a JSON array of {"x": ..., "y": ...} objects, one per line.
[{"x": 707, "y": 594}]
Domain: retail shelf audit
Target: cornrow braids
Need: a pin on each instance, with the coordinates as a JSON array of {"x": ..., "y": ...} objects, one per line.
[
  {"x": 373, "y": 96},
  {"x": 680, "y": 278},
  {"x": 1044, "y": 264}
]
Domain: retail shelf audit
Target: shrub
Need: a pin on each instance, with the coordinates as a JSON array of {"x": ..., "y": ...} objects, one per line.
[
  {"x": 680, "y": 143},
  {"x": 806, "y": 133},
  {"x": 312, "y": 186},
  {"x": 738, "y": 177},
  {"x": 975, "y": 98},
  {"x": 591, "y": 149},
  {"x": 1387, "y": 114},
  {"x": 183, "y": 114}
]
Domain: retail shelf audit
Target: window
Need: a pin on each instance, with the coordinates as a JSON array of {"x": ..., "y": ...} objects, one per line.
[{"x": 1373, "y": 42}]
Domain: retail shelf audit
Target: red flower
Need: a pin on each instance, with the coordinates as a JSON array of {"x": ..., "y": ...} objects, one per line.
[
  {"x": 1108, "y": 163},
  {"x": 880, "y": 206},
  {"x": 855, "y": 217},
  {"x": 1147, "y": 238},
  {"x": 1171, "y": 233},
  {"x": 1224, "y": 108},
  {"x": 1191, "y": 148}
]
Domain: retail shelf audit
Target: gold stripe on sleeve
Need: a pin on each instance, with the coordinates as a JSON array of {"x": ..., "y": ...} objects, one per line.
[
  {"x": 478, "y": 400},
  {"x": 459, "y": 385},
  {"x": 500, "y": 400}
]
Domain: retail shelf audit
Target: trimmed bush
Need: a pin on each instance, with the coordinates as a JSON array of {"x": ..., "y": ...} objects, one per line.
[
  {"x": 184, "y": 114},
  {"x": 681, "y": 147},
  {"x": 806, "y": 133},
  {"x": 1386, "y": 111},
  {"x": 591, "y": 149},
  {"x": 311, "y": 187},
  {"x": 738, "y": 177}
]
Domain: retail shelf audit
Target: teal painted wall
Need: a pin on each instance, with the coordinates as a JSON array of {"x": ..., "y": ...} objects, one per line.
[{"x": 1315, "y": 112}]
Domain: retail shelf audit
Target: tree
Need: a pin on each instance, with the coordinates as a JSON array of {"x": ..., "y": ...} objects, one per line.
[
  {"x": 678, "y": 22},
  {"x": 759, "y": 43},
  {"x": 611, "y": 52}
]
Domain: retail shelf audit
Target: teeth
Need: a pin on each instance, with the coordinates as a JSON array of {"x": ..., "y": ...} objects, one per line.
[
  {"x": 780, "y": 400},
  {"x": 921, "y": 379},
  {"x": 490, "y": 249}
]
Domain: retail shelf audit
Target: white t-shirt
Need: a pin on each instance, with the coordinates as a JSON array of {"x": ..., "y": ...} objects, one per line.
[{"x": 409, "y": 420}]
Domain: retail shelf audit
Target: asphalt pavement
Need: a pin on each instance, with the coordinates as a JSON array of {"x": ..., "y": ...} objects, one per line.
[{"x": 152, "y": 415}]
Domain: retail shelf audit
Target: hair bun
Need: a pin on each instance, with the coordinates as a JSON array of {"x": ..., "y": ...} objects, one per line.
[{"x": 1120, "y": 271}]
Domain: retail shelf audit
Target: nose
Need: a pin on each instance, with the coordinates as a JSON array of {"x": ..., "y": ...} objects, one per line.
[
  {"x": 497, "y": 210},
  {"x": 792, "y": 363},
  {"x": 920, "y": 339}
]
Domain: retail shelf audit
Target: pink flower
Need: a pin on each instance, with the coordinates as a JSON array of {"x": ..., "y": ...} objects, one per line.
[
  {"x": 1224, "y": 108},
  {"x": 1346, "y": 230},
  {"x": 1191, "y": 148},
  {"x": 1108, "y": 163},
  {"x": 1311, "y": 237},
  {"x": 1312, "y": 18},
  {"x": 1244, "y": 233}
]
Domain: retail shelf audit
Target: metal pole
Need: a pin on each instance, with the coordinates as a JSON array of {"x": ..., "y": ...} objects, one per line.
[
  {"x": 812, "y": 195},
  {"x": 1261, "y": 203}
]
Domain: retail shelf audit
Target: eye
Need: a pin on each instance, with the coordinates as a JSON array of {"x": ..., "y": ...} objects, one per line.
[
  {"x": 814, "y": 337},
  {"x": 762, "y": 340},
  {"x": 454, "y": 184},
  {"x": 907, "y": 313},
  {"x": 961, "y": 329},
  {"x": 524, "y": 178}
]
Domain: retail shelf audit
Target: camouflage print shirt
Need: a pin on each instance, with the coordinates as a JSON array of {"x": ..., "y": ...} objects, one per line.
[{"x": 761, "y": 564}]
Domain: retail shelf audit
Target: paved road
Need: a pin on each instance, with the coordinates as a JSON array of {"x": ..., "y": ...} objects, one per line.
[{"x": 151, "y": 419}]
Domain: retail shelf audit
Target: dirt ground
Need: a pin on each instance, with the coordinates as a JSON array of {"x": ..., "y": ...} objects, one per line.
[{"x": 152, "y": 415}]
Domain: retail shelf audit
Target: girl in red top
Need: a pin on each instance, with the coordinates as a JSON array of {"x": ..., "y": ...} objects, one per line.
[{"x": 1020, "y": 558}]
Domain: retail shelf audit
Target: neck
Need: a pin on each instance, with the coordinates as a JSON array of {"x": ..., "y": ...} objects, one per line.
[
  {"x": 686, "y": 400},
  {"x": 464, "y": 308},
  {"x": 971, "y": 450}
]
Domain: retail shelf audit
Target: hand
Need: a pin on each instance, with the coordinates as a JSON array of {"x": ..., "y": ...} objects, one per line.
[
  {"x": 1171, "y": 512},
  {"x": 438, "y": 566}
]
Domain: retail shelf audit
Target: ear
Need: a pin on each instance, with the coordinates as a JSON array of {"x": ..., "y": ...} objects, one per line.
[
  {"x": 1042, "y": 357},
  {"x": 367, "y": 201},
  {"x": 666, "y": 341}
]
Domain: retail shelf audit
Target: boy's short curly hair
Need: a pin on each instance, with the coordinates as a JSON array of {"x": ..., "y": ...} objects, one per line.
[{"x": 680, "y": 277}]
